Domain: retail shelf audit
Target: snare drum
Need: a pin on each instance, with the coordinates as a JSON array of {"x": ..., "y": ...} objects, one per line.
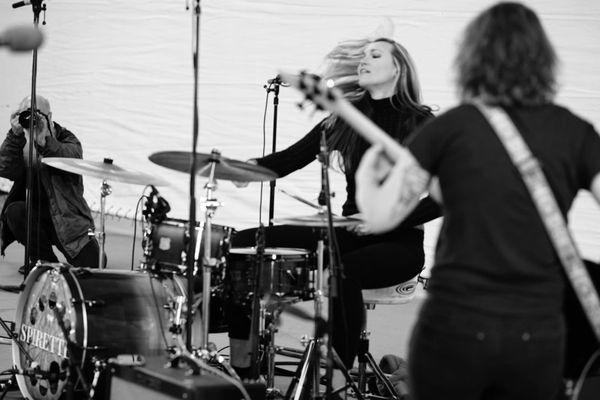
[
  {"x": 105, "y": 312},
  {"x": 286, "y": 273},
  {"x": 169, "y": 245}
]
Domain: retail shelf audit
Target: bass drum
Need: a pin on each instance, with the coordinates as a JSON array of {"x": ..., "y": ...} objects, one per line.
[{"x": 104, "y": 313}]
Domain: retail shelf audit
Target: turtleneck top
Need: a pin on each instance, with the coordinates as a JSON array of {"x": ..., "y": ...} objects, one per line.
[{"x": 396, "y": 122}]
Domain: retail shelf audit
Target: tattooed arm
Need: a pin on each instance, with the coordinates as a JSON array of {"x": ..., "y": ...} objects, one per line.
[{"x": 387, "y": 193}]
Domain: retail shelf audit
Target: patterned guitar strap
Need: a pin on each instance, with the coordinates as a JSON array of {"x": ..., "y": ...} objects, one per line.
[{"x": 545, "y": 202}]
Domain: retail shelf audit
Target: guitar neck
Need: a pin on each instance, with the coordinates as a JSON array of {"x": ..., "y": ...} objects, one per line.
[{"x": 367, "y": 128}]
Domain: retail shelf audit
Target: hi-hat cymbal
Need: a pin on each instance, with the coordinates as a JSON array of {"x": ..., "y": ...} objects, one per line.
[
  {"x": 318, "y": 220},
  {"x": 104, "y": 170},
  {"x": 225, "y": 168}
]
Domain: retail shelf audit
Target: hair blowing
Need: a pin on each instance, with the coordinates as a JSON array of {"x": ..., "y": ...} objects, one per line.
[
  {"x": 505, "y": 58},
  {"x": 341, "y": 64}
]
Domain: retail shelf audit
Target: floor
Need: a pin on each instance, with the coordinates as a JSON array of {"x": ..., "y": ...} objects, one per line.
[{"x": 389, "y": 325}]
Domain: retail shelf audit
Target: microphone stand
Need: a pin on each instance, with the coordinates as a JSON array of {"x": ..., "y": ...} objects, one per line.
[
  {"x": 273, "y": 86},
  {"x": 37, "y": 7},
  {"x": 336, "y": 270},
  {"x": 193, "y": 170}
]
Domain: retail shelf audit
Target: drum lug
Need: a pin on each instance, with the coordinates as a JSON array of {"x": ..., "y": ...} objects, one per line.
[{"x": 89, "y": 303}]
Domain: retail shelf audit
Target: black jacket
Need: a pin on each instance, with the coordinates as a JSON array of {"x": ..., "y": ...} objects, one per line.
[{"x": 68, "y": 209}]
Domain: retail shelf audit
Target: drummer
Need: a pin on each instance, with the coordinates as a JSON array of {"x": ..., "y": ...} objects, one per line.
[
  {"x": 61, "y": 216},
  {"x": 385, "y": 88}
]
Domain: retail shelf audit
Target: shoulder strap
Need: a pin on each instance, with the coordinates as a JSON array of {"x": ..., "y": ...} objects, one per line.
[{"x": 545, "y": 202}]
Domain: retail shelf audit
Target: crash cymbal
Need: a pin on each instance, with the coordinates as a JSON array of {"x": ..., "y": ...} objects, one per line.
[
  {"x": 225, "y": 168},
  {"x": 318, "y": 220},
  {"x": 105, "y": 170}
]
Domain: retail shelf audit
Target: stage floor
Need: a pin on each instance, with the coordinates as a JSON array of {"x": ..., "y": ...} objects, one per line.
[{"x": 390, "y": 325}]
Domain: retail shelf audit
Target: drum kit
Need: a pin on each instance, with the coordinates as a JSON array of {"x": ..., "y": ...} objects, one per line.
[{"x": 73, "y": 322}]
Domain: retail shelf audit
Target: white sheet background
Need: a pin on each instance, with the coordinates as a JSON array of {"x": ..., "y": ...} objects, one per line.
[{"x": 119, "y": 75}]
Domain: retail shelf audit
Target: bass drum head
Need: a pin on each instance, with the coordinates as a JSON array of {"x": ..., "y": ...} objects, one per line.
[
  {"x": 105, "y": 312},
  {"x": 41, "y": 338}
]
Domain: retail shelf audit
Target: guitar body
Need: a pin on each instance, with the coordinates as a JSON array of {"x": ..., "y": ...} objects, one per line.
[{"x": 581, "y": 341}]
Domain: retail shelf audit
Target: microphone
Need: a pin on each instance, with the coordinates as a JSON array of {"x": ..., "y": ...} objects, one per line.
[
  {"x": 277, "y": 81},
  {"x": 21, "y": 3},
  {"x": 21, "y": 38},
  {"x": 156, "y": 207}
]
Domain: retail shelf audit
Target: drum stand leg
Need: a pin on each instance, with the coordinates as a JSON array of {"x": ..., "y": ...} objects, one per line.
[{"x": 365, "y": 359}]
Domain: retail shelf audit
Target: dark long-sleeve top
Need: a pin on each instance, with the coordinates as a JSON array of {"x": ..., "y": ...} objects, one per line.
[{"x": 397, "y": 122}]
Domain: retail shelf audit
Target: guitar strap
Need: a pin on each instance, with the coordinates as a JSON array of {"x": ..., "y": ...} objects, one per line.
[{"x": 545, "y": 202}]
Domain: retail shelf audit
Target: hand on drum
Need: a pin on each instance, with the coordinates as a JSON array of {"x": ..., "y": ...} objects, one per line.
[{"x": 243, "y": 184}]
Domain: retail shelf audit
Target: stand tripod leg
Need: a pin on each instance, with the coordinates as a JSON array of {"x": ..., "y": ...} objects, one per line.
[
  {"x": 349, "y": 381},
  {"x": 302, "y": 372},
  {"x": 381, "y": 377}
]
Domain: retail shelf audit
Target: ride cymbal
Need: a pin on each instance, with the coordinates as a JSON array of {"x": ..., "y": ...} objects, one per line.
[{"x": 225, "y": 168}]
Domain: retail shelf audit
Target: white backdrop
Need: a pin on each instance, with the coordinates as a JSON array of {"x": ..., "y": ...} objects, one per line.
[{"x": 119, "y": 75}]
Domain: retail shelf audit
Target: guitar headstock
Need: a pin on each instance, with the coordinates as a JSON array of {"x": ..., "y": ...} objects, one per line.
[{"x": 322, "y": 93}]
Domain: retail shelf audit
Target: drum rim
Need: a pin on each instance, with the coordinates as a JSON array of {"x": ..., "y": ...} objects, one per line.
[
  {"x": 182, "y": 223},
  {"x": 271, "y": 251}
]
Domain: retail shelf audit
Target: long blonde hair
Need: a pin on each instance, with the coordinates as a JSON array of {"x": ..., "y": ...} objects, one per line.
[{"x": 341, "y": 65}]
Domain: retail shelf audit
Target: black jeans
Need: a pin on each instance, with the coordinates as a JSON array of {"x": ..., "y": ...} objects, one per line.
[
  {"x": 370, "y": 261},
  {"x": 44, "y": 236},
  {"x": 459, "y": 353}
]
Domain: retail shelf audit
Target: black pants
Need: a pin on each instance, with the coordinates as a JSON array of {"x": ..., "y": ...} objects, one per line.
[
  {"x": 369, "y": 262},
  {"x": 459, "y": 353},
  {"x": 44, "y": 236}
]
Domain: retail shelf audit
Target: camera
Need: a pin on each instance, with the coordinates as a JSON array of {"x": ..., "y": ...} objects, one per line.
[{"x": 25, "y": 117}]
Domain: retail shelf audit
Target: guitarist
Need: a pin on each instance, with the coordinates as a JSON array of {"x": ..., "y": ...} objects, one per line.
[
  {"x": 381, "y": 81},
  {"x": 493, "y": 324}
]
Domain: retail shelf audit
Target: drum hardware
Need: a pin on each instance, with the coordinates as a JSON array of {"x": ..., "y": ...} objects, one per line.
[{"x": 106, "y": 171}]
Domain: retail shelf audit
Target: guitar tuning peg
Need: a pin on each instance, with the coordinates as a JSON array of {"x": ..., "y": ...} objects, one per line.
[{"x": 319, "y": 107}]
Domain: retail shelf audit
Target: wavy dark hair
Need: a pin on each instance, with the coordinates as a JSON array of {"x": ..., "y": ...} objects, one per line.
[
  {"x": 505, "y": 58},
  {"x": 342, "y": 66}
]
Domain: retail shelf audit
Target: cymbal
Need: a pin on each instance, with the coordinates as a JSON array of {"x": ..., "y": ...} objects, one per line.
[
  {"x": 225, "y": 168},
  {"x": 104, "y": 170},
  {"x": 318, "y": 220}
]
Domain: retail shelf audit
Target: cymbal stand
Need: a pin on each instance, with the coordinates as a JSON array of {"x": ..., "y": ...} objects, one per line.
[
  {"x": 105, "y": 190},
  {"x": 208, "y": 262}
]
